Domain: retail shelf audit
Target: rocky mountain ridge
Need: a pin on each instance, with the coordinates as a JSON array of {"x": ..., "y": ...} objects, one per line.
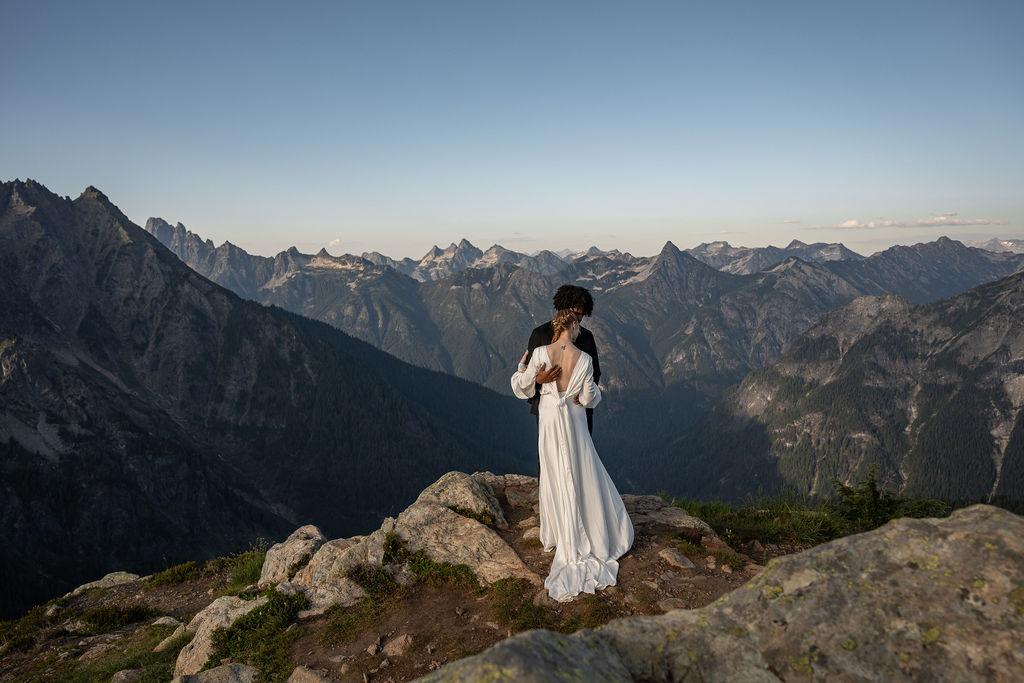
[
  {"x": 916, "y": 598},
  {"x": 930, "y": 395},
  {"x": 673, "y": 331},
  {"x": 140, "y": 402}
]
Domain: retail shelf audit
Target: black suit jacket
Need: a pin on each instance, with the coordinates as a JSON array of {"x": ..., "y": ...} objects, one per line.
[{"x": 541, "y": 336}]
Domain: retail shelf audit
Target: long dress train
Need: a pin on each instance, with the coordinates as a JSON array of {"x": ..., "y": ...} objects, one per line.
[{"x": 581, "y": 513}]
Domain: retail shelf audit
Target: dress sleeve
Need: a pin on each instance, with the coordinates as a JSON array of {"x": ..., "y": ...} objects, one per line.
[
  {"x": 524, "y": 383},
  {"x": 590, "y": 394}
]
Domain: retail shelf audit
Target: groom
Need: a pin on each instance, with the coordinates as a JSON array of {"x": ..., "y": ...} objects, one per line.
[{"x": 576, "y": 299}]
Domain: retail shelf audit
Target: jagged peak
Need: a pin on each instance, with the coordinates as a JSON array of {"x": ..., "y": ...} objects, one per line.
[
  {"x": 323, "y": 253},
  {"x": 92, "y": 192},
  {"x": 796, "y": 244},
  {"x": 669, "y": 248}
]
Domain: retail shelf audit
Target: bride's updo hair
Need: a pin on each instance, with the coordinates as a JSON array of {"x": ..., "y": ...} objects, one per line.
[{"x": 563, "y": 320}]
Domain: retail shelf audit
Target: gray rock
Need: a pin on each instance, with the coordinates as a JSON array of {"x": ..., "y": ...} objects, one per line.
[
  {"x": 341, "y": 591},
  {"x": 220, "y": 613},
  {"x": 319, "y": 568},
  {"x": 303, "y": 542},
  {"x": 914, "y": 600},
  {"x": 166, "y": 621},
  {"x": 108, "y": 581},
  {"x": 532, "y": 534},
  {"x": 236, "y": 672},
  {"x": 449, "y": 537},
  {"x": 166, "y": 642},
  {"x": 652, "y": 511},
  {"x": 676, "y": 559},
  {"x": 458, "y": 489},
  {"x": 126, "y": 676},
  {"x": 397, "y": 646},
  {"x": 303, "y": 674}
]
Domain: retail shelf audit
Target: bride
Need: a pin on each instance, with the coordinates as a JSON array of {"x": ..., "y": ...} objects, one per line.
[{"x": 581, "y": 513}]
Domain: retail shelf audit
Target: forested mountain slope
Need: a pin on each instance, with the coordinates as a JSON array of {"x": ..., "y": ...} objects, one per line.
[{"x": 931, "y": 395}]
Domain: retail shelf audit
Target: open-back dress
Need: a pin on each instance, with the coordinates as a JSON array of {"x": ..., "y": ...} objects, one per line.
[{"x": 581, "y": 513}]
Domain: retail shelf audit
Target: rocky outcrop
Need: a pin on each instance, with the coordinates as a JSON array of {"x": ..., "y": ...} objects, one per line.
[
  {"x": 282, "y": 558},
  {"x": 234, "y": 672},
  {"x": 111, "y": 579},
  {"x": 220, "y": 613},
  {"x": 430, "y": 524},
  {"x": 918, "y": 599}
]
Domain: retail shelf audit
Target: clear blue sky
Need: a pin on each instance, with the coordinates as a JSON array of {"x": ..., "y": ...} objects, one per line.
[{"x": 397, "y": 125}]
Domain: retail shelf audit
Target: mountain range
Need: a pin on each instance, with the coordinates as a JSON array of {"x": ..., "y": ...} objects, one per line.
[
  {"x": 929, "y": 395},
  {"x": 672, "y": 331},
  {"x": 143, "y": 407}
]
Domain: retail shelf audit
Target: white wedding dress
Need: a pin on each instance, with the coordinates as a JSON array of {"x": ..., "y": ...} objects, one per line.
[{"x": 581, "y": 513}]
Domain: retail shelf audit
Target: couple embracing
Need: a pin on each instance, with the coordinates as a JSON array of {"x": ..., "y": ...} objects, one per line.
[{"x": 581, "y": 514}]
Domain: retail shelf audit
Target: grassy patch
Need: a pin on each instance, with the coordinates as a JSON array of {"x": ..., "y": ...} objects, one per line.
[
  {"x": 793, "y": 517},
  {"x": 106, "y": 619},
  {"x": 246, "y": 568},
  {"x": 174, "y": 575},
  {"x": 20, "y": 635},
  {"x": 770, "y": 520},
  {"x": 134, "y": 652},
  {"x": 260, "y": 638},
  {"x": 376, "y": 581},
  {"x": 721, "y": 556},
  {"x": 513, "y": 606},
  {"x": 598, "y": 612},
  {"x": 485, "y": 517},
  {"x": 345, "y": 623}
]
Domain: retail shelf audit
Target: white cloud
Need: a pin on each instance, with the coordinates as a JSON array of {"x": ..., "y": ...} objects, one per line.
[
  {"x": 334, "y": 243},
  {"x": 950, "y": 218},
  {"x": 790, "y": 221}
]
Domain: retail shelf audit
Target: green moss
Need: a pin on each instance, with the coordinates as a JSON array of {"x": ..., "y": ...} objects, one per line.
[
  {"x": 297, "y": 566},
  {"x": 930, "y": 636},
  {"x": 849, "y": 644},
  {"x": 485, "y": 517},
  {"x": 1017, "y": 600},
  {"x": 801, "y": 665},
  {"x": 260, "y": 638}
]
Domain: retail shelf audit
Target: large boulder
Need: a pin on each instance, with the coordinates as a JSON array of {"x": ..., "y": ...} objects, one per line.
[
  {"x": 934, "y": 599},
  {"x": 220, "y": 613},
  {"x": 282, "y": 557},
  {"x": 461, "y": 491},
  {"x": 447, "y": 536},
  {"x": 109, "y": 581},
  {"x": 235, "y": 672}
]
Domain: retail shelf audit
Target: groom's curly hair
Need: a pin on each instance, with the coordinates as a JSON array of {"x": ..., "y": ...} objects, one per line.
[{"x": 571, "y": 297}]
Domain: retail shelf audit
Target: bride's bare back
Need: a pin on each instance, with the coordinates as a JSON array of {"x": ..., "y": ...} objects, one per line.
[{"x": 563, "y": 354}]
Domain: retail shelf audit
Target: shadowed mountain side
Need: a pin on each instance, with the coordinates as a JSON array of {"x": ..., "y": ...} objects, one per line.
[
  {"x": 135, "y": 378},
  {"x": 930, "y": 395}
]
